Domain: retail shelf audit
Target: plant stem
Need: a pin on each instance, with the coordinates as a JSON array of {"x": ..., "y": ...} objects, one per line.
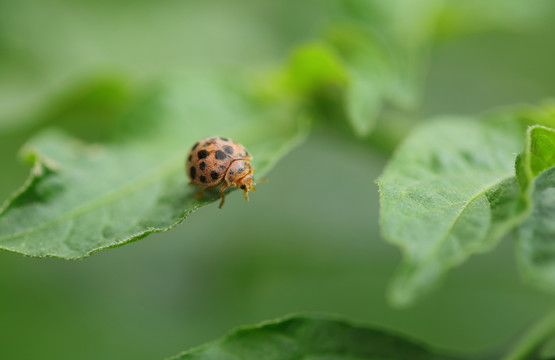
[{"x": 538, "y": 334}]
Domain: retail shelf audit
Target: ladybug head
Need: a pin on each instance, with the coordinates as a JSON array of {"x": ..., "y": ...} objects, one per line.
[{"x": 246, "y": 183}]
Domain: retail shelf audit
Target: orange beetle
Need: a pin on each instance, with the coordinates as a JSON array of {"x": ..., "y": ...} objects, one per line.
[{"x": 216, "y": 160}]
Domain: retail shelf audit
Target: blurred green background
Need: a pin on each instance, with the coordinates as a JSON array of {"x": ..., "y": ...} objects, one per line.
[{"x": 307, "y": 240}]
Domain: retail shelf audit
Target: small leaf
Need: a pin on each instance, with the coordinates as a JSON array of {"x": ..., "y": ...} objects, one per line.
[
  {"x": 352, "y": 68},
  {"x": 536, "y": 250},
  {"x": 407, "y": 32},
  {"x": 84, "y": 197},
  {"x": 451, "y": 191},
  {"x": 310, "y": 338},
  {"x": 366, "y": 62},
  {"x": 313, "y": 67},
  {"x": 538, "y": 156}
]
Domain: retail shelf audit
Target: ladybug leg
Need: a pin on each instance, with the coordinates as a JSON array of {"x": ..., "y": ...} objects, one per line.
[{"x": 224, "y": 186}]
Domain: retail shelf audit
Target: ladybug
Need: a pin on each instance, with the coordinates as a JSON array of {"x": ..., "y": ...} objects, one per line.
[{"x": 219, "y": 160}]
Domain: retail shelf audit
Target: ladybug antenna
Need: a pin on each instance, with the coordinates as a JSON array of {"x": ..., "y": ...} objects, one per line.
[{"x": 259, "y": 181}]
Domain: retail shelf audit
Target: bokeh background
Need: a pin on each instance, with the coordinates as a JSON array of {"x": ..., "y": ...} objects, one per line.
[{"x": 307, "y": 240}]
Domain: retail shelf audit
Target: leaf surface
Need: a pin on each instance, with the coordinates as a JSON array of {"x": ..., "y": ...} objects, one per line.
[
  {"x": 83, "y": 197},
  {"x": 310, "y": 338},
  {"x": 451, "y": 191}
]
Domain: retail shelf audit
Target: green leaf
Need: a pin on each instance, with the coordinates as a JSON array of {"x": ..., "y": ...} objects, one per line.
[
  {"x": 87, "y": 109},
  {"x": 349, "y": 67},
  {"x": 407, "y": 32},
  {"x": 410, "y": 30},
  {"x": 367, "y": 64},
  {"x": 364, "y": 65},
  {"x": 313, "y": 67},
  {"x": 450, "y": 191},
  {"x": 312, "y": 338},
  {"x": 536, "y": 251},
  {"x": 84, "y": 197},
  {"x": 538, "y": 156}
]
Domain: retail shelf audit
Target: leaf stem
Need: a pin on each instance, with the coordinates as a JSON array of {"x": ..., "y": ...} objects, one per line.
[{"x": 538, "y": 334}]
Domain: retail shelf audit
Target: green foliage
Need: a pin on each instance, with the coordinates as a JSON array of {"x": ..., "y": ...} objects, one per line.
[
  {"x": 303, "y": 337},
  {"x": 536, "y": 251},
  {"x": 350, "y": 69},
  {"x": 451, "y": 191},
  {"x": 64, "y": 211},
  {"x": 312, "y": 68},
  {"x": 367, "y": 63},
  {"x": 107, "y": 154},
  {"x": 82, "y": 197}
]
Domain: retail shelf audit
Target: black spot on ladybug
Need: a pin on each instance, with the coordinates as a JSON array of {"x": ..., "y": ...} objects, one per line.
[
  {"x": 224, "y": 139},
  {"x": 246, "y": 153},
  {"x": 230, "y": 179},
  {"x": 214, "y": 175},
  {"x": 230, "y": 172},
  {"x": 243, "y": 187},
  {"x": 212, "y": 139},
  {"x": 228, "y": 149},
  {"x": 195, "y": 146},
  {"x": 202, "y": 165},
  {"x": 193, "y": 172},
  {"x": 222, "y": 167},
  {"x": 202, "y": 178},
  {"x": 190, "y": 157},
  {"x": 220, "y": 155},
  {"x": 240, "y": 170},
  {"x": 203, "y": 154}
]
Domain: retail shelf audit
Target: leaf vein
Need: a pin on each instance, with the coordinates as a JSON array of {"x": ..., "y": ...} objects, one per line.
[{"x": 112, "y": 196}]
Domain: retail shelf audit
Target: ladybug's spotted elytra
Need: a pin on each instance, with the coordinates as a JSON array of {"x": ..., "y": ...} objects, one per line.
[{"x": 216, "y": 160}]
